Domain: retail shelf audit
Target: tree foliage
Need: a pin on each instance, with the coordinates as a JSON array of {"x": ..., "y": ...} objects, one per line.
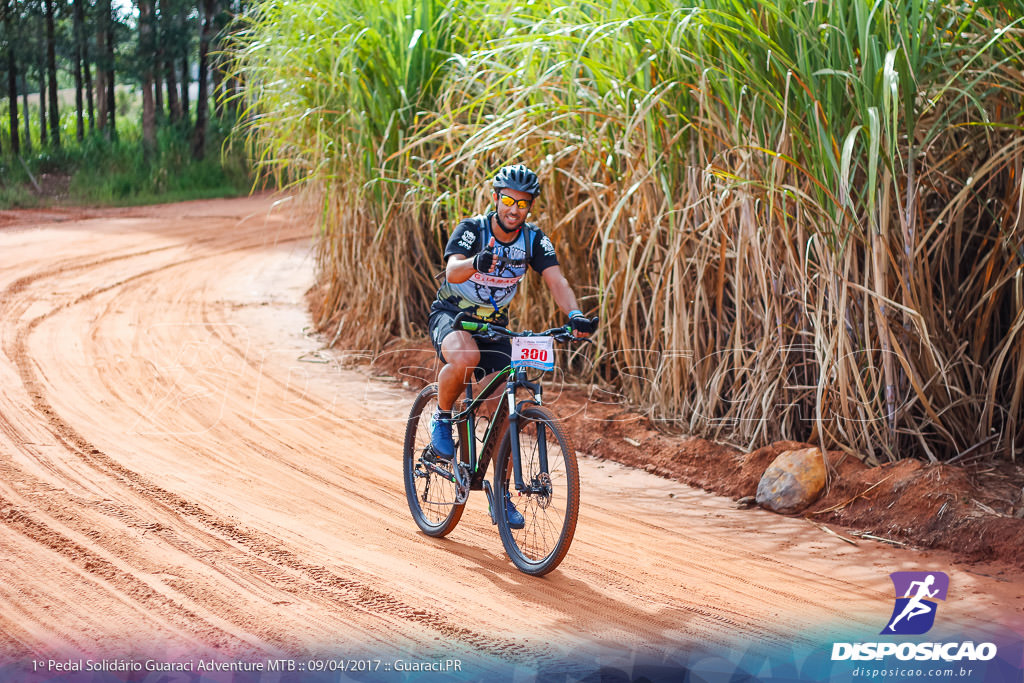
[{"x": 94, "y": 46}]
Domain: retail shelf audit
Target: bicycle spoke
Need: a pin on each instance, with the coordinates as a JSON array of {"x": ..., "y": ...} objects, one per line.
[
  {"x": 430, "y": 485},
  {"x": 550, "y": 504},
  {"x": 544, "y": 513}
]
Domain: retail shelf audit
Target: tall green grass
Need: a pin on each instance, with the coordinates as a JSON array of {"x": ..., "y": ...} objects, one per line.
[{"x": 796, "y": 220}]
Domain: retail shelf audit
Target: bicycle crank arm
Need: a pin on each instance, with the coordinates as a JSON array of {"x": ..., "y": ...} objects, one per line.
[
  {"x": 439, "y": 471},
  {"x": 461, "y": 479}
]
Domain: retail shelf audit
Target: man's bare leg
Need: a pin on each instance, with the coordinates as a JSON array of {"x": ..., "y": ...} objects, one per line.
[{"x": 461, "y": 358}]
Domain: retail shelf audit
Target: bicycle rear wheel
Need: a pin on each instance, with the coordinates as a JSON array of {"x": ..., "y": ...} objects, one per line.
[
  {"x": 551, "y": 504},
  {"x": 429, "y": 482}
]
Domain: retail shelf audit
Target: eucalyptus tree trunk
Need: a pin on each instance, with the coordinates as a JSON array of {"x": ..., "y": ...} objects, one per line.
[
  {"x": 12, "y": 93},
  {"x": 44, "y": 136},
  {"x": 51, "y": 74},
  {"x": 101, "y": 74},
  {"x": 219, "y": 84},
  {"x": 215, "y": 59},
  {"x": 186, "y": 115},
  {"x": 41, "y": 69},
  {"x": 12, "y": 78},
  {"x": 174, "y": 44},
  {"x": 146, "y": 45},
  {"x": 79, "y": 42},
  {"x": 158, "y": 86},
  {"x": 159, "y": 55},
  {"x": 105, "y": 68},
  {"x": 109, "y": 76},
  {"x": 25, "y": 110},
  {"x": 87, "y": 72},
  {"x": 202, "y": 98},
  {"x": 156, "y": 58},
  {"x": 173, "y": 103}
]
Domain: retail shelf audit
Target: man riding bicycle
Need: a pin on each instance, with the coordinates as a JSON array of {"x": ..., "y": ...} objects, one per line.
[{"x": 485, "y": 258}]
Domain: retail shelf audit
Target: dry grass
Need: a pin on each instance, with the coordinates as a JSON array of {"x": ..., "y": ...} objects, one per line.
[{"x": 796, "y": 220}]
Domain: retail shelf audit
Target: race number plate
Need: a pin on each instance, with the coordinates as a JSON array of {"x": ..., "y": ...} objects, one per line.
[{"x": 533, "y": 352}]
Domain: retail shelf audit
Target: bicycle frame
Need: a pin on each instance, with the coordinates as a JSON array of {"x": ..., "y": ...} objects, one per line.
[
  {"x": 513, "y": 378},
  {"x": 536, "y": 534}
]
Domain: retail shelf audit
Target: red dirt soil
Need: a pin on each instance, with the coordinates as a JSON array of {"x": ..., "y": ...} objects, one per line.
[
  {"x": 973, "y": 512},
  {"x": 184, "y": 471}
]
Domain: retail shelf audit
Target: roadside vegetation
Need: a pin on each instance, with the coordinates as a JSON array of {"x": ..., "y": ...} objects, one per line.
[
  {"x": 115, "y": 103},
  {"x": 797, "y": 220},
  {"x": 98, "y": 171}
]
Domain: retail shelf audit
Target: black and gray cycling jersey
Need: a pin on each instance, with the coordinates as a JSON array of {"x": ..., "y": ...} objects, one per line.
[{"x": 488, "y": 295}]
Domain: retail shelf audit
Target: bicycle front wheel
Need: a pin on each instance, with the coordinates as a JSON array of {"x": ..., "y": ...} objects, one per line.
[
  {"x": 551, "y": 503},
  {"x": 429, "y": 482}
]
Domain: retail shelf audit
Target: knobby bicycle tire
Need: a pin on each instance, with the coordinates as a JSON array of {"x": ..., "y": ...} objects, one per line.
[
  {"x": 431, "y": 495},
  {"x": 550, "y": 519}
]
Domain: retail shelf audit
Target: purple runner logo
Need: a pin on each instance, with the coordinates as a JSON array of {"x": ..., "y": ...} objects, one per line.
[{"x": 916, "y": 593}]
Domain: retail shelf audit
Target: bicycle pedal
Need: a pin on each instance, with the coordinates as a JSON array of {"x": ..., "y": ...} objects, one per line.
[{"x": 432, "y": 457}]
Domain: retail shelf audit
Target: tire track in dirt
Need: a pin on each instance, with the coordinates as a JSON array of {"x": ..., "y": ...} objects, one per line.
[
  {"x": 105, "y": 570},
  {"x": 354, "y": 593},
  {"x": 726, "y": 576},
  {"x": 274, "y": 525}
]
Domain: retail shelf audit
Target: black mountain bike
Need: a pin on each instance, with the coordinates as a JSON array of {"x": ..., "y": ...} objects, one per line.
[{"x": 535, "y": 462}]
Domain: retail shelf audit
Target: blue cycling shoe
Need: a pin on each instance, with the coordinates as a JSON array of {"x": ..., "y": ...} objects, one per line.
[
  {"x": 441, "y": 436},
  {"x": 515, "y": 518}
]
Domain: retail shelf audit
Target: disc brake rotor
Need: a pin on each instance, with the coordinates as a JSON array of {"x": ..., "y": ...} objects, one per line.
[{"x": 543, "y": 486}]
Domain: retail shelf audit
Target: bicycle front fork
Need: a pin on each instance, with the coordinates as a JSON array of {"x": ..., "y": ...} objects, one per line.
[{"x": 513, "y": 433}]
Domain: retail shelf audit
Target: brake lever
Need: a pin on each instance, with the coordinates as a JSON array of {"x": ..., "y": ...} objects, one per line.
[{"x": 565, "y": 334}]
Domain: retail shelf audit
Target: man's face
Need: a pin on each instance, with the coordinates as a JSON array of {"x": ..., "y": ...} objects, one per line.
[{"x": 512, "y": 216}]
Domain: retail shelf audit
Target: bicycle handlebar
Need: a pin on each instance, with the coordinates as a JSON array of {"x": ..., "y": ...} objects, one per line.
[{"x": 562, "y": 334}]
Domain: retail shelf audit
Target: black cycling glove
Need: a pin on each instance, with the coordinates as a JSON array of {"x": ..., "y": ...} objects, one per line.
[
  {"x": 581, "y": 323},
  {"x": 484, "y": 261}
]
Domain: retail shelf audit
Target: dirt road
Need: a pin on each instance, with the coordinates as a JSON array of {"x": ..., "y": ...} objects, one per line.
[{"x": 178, "y": 480}]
